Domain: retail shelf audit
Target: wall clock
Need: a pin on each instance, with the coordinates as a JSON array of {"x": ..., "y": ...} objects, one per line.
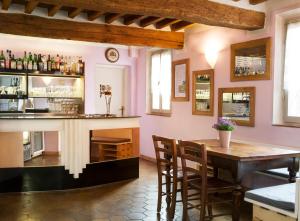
[{"x": 112, "y": 55}]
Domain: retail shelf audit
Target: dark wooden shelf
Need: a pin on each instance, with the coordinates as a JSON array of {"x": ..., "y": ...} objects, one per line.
[
  {"x": 5, "y": 96},
  {"x": 55, "y": 97},
  {"x": 53, "y": 74}
]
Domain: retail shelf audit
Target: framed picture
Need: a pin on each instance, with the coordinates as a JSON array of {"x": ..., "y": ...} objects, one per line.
[
  {"x": 180, "y": 80},
  {"x": 251, "y": 60},
  {"x": 203, "y": 92},
  {"x": 238, "y": 105}
]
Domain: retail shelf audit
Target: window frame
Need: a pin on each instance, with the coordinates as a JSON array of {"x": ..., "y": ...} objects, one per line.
[{"x": 160, "y": 111}]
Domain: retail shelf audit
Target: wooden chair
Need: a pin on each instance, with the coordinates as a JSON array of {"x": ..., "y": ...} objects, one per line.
[
  {"x": 166, "y": 160},
  {"x": 206, "y": 189}
]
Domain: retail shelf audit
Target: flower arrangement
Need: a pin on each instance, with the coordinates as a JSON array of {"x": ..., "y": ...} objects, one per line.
[{"x": 224, "y": 125}]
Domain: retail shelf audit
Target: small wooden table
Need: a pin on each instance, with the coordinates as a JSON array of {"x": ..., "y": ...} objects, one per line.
[{"x": 241, "y": 159}]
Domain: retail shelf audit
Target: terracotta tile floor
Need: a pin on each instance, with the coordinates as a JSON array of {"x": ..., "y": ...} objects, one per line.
[{"x": 130, "y": 200}]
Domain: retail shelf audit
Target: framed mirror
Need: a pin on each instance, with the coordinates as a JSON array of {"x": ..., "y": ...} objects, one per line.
[
  {"x": 251, "y": 60},
  {"x": 238, "y": 105},
  {"x": 203, "y": 92},
  {"x": 180, "y": 80}
]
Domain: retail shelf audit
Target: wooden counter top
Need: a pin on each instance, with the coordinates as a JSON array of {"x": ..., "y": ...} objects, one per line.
[{"x": 50, "y": 116}]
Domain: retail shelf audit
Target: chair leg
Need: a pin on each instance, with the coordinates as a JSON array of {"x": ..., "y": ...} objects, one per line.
[
  {"x": 184, "y": 195},
  {"x": 202, "y": 212},
  {"x": 173, "y": 200},
  {"x": 168, "y": 192},
  {"x": 159, "y": 196}
]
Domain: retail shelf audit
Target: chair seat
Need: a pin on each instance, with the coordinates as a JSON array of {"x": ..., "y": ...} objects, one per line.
[
  {"x": 180, "y": 174},
  {"x": 213, "y": 185}
]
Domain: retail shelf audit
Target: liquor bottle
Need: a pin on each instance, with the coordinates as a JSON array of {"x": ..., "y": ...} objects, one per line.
[
  {"x": 7, "y": 60},
  {"x": 30, "y": 62},
  {"x": 13, "y": 63},
  {"x": 81, "y": 66},
  {"x": 25, "y": 61},
  {"x": 53, "y": 67},
  {"x": 49, "y": 68},
  {"x": 35, "y": 63},
  {"x": 62, "y": 65},
  {"x": 40, "y": 63},
  {"x": 19, "y": 64},
  {"x": 2, "y": 60},
  {"x": 57, "y": 63},
  {"x": 44, "y": 60}
]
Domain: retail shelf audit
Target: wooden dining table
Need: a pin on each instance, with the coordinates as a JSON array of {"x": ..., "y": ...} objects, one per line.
[{"x": 241, "y": 159}]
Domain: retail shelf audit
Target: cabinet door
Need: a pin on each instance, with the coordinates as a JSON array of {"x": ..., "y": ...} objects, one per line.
[{"x": 203, "y": 92}]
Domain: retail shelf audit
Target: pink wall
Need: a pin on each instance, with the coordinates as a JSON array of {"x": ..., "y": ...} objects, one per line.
[{"x": 183, "y": 125}]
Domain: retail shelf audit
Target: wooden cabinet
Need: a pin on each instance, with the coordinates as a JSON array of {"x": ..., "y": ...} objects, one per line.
[
  {"x": 114, "y": 144},
  {"x": 11, "y": 149}
]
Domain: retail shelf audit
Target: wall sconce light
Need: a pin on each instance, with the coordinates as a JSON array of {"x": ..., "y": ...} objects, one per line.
[{"x": 211, "y": 55}]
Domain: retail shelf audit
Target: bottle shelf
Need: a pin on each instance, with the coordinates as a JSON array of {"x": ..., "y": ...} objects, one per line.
[
  {"x": 55, "y": 97},
  {"x": 6, "y": 96},
  {"x": 38, "y": 73},
  {"x": 53, "y": 74}
]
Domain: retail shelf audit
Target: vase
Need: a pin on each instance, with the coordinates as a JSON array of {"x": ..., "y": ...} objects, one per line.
[{"x": 224, "y": 137}]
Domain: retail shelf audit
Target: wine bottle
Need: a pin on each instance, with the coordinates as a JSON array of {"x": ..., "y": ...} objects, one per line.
[
  {"x": 57, "y": 63},
  {"x": 62, "y": 65},
  {"x": 49, "y": 64},
  {"x": 2, "y": 60},
  {"x": 81, "y": 66},
  {"x": 13, "y": 63},
  {"x": 44, "y": 60},
  {"x": 30, "y": 62},
  {"x": 8, "y": 58},
  {"x": 19, "y": 64},
  {"x": 53, "y": 67},
  {"x": 35, "y": 63},
  {"x": 25, "y": 61},
  {"x": 40, "y": 63}
]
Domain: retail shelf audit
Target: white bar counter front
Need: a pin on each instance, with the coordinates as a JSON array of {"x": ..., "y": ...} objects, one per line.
[{"x": 74, "y": 132}]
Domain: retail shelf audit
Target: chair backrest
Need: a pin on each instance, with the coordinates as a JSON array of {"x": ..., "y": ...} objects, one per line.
[
  {"x": 194, "y": 154},
  {"x": 166, "y": 154}
]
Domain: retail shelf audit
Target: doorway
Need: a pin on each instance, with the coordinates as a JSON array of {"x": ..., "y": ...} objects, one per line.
[{"x": 117, "y": 78}]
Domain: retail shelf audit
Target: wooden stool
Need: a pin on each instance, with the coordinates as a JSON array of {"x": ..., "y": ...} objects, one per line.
[{"x": 108, "y": 148}]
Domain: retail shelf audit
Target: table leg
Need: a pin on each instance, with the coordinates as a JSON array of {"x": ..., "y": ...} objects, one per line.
[
  {"x": 293, "y": 169},
  {"x": 237, "y": 199}
]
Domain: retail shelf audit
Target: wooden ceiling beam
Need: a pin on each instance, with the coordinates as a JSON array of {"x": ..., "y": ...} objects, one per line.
[
  {"x": 111, "y": 17},
  {"x": 35, "y": 26},
  {"x": 195, "y": 11},
  {"x": 255, "y": 2},
  {"x": 53, "y": 10},
  {"x": 30, "y": 6},
  {"x": 130, "y": 19},
  {"x": 6, "y": 4},
  {"x": 165, "y": 22},
  {"x": 74, "y": 12},
  {"x": 94, "y": 15},
  {"x": 149, "y": 21},
  {"x": 180, "y": 25}
]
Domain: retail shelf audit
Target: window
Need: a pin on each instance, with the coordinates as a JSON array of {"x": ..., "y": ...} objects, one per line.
[
  {"x": 292, "y": 73},
  {"x": 160, "y": 82}
]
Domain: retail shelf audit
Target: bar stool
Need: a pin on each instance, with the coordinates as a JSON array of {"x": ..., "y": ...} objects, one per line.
[
  {"x": 166, "y": 160},
  {"x": 208, "y": 189}
]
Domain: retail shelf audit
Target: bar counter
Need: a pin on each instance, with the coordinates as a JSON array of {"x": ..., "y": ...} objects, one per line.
[
  {"x": 49, "y": 116},
  {"x": 74, "y": 135}
]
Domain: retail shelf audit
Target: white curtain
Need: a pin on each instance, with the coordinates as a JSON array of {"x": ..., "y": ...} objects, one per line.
[
  {"x": 74, "y": 141},
  {"x": 292, "y": 69}
]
